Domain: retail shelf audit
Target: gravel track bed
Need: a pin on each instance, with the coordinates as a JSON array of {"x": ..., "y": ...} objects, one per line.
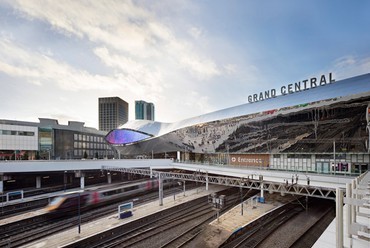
[{"x": 288, "y": 233}]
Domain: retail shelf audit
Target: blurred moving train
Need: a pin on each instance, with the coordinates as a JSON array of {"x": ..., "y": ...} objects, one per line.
[{"x": 71, "y": 201}]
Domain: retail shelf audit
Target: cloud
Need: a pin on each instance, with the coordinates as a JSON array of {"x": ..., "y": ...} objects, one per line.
[
  {"x": 350, "y": 66},
  {"x": 125, "y": 48},
  {"x": 195, "y": 32},
  {"x": 122, "y": 26},
  {"x": 40, "y": 69}
]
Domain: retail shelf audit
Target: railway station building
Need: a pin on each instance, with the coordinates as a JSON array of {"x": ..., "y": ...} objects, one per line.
[{"x": 317, "y": 125}]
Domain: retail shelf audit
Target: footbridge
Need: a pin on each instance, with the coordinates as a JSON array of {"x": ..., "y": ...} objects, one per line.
[
  {"x": 284, "y": 182},
  {"x": 252, "y": 181}
]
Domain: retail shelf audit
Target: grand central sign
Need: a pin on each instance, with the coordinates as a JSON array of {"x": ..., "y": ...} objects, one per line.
[{"x": 292, "y": 88}]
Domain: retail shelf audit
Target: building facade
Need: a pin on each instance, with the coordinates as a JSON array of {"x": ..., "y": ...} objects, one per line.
[
  {"x": 323, "y": 129},
  {"x": 144, "y": 110},
  {"x": 50, "y": 140},
  {"x": 16, "y": 139},
  {"x": 113, "y": 112}
]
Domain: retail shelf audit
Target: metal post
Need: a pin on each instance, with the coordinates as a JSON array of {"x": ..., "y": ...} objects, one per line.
[
  {"x": 349, "y": 214},
  {"x": 206, "y": 181},
  {"x": 306, "y": 204},
  {"x": 184, "y": 187},
  {"x": 38, "y": 182},
  {"x": 339, "y": 218},
  {"x": 262, "y": 195},
  {"x": 335, "y": 163},
  {"x": 2, "y": 203},
  {"x": 82, "y": 181},
  {"x": 173, "y": 189},
  {"x": 79, "y": 213},
  {"x": 357, "y": 196},
  {"x": 228, "y": 154},
  {"x": 241, "y": 199},
  {"x": 160, "y": 187},
  {"x": 65, "y": 180},
  {"x": 353, "y": 208},
  {"x": 109, "y": 177}
]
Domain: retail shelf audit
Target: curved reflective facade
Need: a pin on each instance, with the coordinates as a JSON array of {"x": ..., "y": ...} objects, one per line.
[
  {"x": 285, "y": 123},
  {"x": 125, "y": 136}
]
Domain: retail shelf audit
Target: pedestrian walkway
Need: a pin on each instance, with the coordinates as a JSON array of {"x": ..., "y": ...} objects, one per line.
[{"x": 112, "y": 221}]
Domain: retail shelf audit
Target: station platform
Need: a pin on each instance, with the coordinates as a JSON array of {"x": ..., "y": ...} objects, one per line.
[{"x": 103, "y": 224}]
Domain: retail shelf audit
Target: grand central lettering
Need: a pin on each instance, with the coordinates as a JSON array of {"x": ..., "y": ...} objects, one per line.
[{"x": 292, "y": 88}]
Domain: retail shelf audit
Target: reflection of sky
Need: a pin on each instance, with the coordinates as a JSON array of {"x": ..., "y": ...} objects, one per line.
[{"x": 124, "y": 136}]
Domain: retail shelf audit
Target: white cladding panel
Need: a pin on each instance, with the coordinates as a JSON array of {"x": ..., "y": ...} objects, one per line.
[{"x": 16, "y": 141}]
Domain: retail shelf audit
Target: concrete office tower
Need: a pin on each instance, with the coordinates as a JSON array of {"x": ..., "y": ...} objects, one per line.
[
  {"x": 144, "y": 110},
  {"x": 113, "y": 112}
]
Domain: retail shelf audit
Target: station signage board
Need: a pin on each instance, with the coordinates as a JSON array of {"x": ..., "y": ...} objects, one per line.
[{"x": 250, "y": 159}]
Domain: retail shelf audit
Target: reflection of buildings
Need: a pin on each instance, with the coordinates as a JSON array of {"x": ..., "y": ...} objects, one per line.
[
  {"x": 113, "y": 112},
  {"x": 49, "y": 139},
  {"x": 307, "y": 130},
  {"x": 144, "y": 110}
]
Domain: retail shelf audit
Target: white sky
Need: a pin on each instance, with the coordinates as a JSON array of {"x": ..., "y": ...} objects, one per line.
[{"x": 187, "y": 57}]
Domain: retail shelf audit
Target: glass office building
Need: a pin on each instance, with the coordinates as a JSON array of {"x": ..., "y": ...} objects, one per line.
[{"x": 144, "y": 110}]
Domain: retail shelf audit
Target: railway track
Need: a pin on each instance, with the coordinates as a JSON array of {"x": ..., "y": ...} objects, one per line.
[
  {"x": 28, "y": 230},
  {"x": 13, "y": 210},
  {"x": 288, "y": 226},
  {"x": 147, "y": 234},
  {"x": 173, "y": 227},
  {"x": 311, "y": 235},
  {"x": 28, "y": 205},
  {"x": 259, "y": 233}
]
